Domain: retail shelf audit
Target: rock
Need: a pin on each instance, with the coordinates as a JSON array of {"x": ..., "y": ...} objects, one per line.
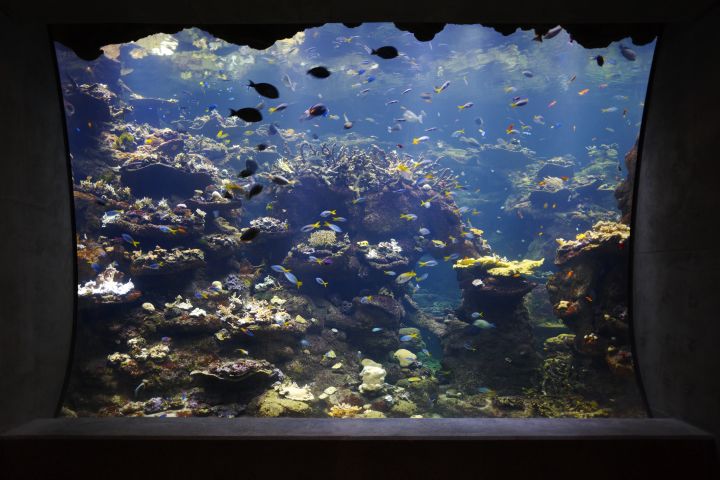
[
  {"x": 158, "y": 180},
  {"x": 624, "y": 190},
  {"x": 403, "y": 408},
  {"x": 238, "y": 371},
  {"x": 271, "y": 404}
]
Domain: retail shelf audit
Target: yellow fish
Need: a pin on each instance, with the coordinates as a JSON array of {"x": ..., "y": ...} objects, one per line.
[
  {"x": 222, "y": 134},
  {"x": 405, "y": 277},
  {"x": 439, "y": 243},
  {"x": 232, "y": 186},
  {"x": 363, "y": 243}
]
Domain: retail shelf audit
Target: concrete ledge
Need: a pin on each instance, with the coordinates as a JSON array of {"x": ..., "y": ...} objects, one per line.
[
  {"x": 349, "y": 449},
  {"x": 356, "y": 429}
]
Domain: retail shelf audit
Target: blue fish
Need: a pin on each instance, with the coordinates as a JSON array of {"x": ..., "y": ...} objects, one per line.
[
  {"x": 130, "y": 240},
  {"x": 97, "y": 267},
  {"x": 377, "y": 329},
  {"x": 333, "y": 227},
  {"x": 211, "y": 107},
  {"x": 406, "y": 338},
  {"x": 370, "y": 79},
  {"x": 279, "y": 269},
  {"x": 292, "y": 279},
  {"x": 304, "y": 343},
  {"x": 247, "y": 332}
]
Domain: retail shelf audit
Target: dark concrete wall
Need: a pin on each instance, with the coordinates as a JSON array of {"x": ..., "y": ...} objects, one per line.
[
  {"x": 36, "y": 256},
  {"x": 677, "y": 255},
  {"x": 676, "y": 313}
]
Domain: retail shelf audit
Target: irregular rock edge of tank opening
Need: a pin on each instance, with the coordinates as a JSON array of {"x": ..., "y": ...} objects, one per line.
[{"x": 87, "y": 40}]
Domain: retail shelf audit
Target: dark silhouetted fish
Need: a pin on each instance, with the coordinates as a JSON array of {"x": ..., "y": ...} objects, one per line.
[
  {"x": 387, "y": 52},
  {"x": 251, "y": 167},
  {"x": 254, "y": 190},
  {"x": 264, "y": 89},
  {"x": 319, "y": 72},
  {"x": 247, "y": 114},
  {"x": 249, "y": 234}
]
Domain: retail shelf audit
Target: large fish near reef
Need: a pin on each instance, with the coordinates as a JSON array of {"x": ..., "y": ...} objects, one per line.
[{"x": 411, "y": 117}]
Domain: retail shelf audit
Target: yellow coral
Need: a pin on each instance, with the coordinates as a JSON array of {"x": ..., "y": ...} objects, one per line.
[
  {"x": 322, "y": 238},
  {"x": 500, "y": 266},
  {"x": 601, "y": 232},
  {"x": 344, "y": 410}
]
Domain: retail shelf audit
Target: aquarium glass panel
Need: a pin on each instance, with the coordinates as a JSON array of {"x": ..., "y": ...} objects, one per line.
[{"x": 354, "y": 223}]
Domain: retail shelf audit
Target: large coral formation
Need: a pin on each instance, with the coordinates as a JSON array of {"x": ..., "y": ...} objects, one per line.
[{"x": 589, "y": 294}]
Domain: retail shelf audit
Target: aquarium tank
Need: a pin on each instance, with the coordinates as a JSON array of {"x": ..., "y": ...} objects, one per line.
[{"x": 354, "y": 223}]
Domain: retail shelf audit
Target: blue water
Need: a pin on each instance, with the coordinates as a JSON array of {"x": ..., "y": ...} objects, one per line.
[{"x": 587, "y": 114}]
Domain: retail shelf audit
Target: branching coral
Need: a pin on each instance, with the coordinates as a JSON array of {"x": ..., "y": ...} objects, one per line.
[
  {"x": 322, "y": 238},
  {"x": 500, "y": 266}
]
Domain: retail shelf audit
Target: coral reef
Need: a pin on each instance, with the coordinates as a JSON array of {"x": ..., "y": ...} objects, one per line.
[
  {"x": 228, "y": 268},
  {"x": 165, "y": 262}
]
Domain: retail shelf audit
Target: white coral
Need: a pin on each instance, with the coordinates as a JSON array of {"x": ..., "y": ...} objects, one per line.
[
  {"x": 373, "y": 378},
  {"x": 106, "y": 283}
]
